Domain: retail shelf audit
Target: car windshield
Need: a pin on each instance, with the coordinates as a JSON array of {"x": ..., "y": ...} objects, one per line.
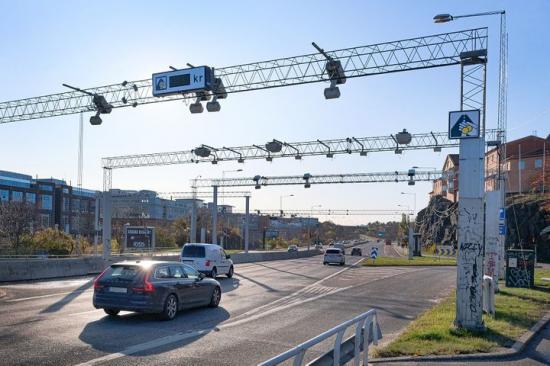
[
  {"x": 333, "y": 251},
  {"x": 193, "y": 251},
  {"x": 125, "y": 273}
]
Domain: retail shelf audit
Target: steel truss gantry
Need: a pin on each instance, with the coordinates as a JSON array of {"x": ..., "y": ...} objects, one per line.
[
  {"x": 191, "y": 195},
  {"x": 408, "y": 54},
  {"x": 309, "y": 179},
  {"x": 327, "y": 212},
  {"x": 349, "y": 145}
]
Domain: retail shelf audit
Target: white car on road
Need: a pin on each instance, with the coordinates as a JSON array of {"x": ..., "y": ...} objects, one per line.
[
  {"x": 209, "y": 259},
  {"x": 334, "y": 255}
]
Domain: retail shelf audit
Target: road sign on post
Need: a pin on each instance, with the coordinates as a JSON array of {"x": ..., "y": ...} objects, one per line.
[
  {"x": 464, "y": 124},
  {"x": 374, "y": 253}
]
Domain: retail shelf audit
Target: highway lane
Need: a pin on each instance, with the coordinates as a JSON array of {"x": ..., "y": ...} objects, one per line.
[{"x": 266, "y": 308}]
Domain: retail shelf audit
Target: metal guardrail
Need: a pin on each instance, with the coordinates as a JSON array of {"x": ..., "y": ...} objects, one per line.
[{"x": 367, "y": 331}]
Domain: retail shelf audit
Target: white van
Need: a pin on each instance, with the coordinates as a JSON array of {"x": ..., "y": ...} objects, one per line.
[{"x": 209, "y": 259}]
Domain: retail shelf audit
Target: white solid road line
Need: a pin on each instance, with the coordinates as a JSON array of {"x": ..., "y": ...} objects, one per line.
[
  {"x": 146, "y": 346},
  {"x": 49, "y": 295}
]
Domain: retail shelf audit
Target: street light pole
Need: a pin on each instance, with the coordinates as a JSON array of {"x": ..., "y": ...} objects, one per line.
[
  {"x": 475, "y": 213},
  {"x": 413, "y": 194},
  {"x": 281, "y": 202},
  {"x": 309, "y": 225}
]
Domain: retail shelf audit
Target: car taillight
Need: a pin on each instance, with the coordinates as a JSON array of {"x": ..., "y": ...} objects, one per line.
[
  {"x": 207, "y": 263},
  {"x": 96, "y": 281},
  {"x": 147, "y": 286}
]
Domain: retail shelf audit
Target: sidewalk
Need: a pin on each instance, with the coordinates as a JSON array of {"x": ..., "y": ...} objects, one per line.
[{"x": 537, "y": 352}]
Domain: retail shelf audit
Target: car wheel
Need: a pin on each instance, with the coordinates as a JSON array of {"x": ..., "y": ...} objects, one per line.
[
  {"x": 230, "y": 273},
  {"x": 216, "y": 297},
  {"x": 324, "y": 263},
  {"x": 214, "y": 273},
  {"x": 111, "y": 312},
  {"x": 170, "y": 307}
]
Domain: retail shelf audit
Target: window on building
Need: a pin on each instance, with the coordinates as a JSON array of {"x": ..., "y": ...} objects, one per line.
[
  {"x": 44, "y": 220},
  {"x": 76, "y": 205},
  {"x": 46, "y": 202},
  {"x": 521, "y": 164},
  {"x": 30, "y": 197},
  {"x": 538, "y": 163},
  {"x": 45, "y": 187},
  {"x": 4, "y": 195},
  {"x": 17, "y": 196},
  {"x": 66, "y": 202}
]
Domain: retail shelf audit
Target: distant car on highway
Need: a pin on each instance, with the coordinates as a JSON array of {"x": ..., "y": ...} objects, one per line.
[
  {"x": 357, "y": 251},
  {"x": 388, "y": 242},
  {"x": 292, "y": 248},
  {"x": 334, "y": 255},
  {"x": 319, "y": 246},
  {"x": 153, "y": 287},
  {"x": 340, "y": 246},
  {"x": 209, "y": 259}
]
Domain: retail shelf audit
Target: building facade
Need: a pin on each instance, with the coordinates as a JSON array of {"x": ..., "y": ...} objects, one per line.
[
  {"x": 524, "y": 162},
  {"x": 523, "y": 168},
  {"x": 144, "y": 204},
  {"x": 57, "y": 204},
  {"x": 447, "y": 185}
]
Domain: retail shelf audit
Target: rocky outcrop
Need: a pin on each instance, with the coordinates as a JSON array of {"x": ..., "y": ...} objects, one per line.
[
  {"x": 527, "y": 222},
  {"x": 527, "y": 219},
  {"x": 437, "y": 222}
]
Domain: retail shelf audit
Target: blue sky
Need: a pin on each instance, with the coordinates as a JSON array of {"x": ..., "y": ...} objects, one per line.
[{"x": 88, "y": 44}]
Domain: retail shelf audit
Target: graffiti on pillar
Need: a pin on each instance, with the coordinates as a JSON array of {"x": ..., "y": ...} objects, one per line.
[
  {"x": 470, "y": 259},
  {"x": 519, "y": 277}
]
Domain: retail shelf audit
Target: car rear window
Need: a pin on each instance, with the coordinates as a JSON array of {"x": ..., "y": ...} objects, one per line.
[
  {"x": 333, "y": 251},
  {"x": 193, "y": 251},
  {"x": 122, "y": 273}
]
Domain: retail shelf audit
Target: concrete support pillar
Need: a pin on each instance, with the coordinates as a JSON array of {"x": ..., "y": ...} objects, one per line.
[
  {"x": 246, "y": 223},
  {"x": 203, "y": 235},
  {"x": 107, "y": 205},
  {"x": 470, "y": 235},
  {"x": 193, "y": 232},
  {"x": 96, "y": 223},
  {"x": 410, "y": 245},
  {"x": 492, "y": 236},
  {"x": 215, "y": 216}
]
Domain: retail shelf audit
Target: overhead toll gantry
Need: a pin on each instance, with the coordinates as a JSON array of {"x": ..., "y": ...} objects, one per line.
[{"x": 438, "y": 50}]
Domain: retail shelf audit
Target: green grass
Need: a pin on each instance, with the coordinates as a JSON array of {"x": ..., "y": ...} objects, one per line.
[
  {"x": 404, "y": 261},
  {"x": 517, "y": 310}
]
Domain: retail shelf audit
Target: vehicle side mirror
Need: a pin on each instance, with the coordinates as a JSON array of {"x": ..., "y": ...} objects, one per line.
[
  {"x": 201, "y": 276},
  {"x": 227, "y": 256}
]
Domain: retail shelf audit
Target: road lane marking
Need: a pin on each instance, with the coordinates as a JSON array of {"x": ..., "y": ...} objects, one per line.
[
  {"x": 147, "y": 346},
  {"x": 48, "y": 295},
  {"x": 183, "y": 336}
]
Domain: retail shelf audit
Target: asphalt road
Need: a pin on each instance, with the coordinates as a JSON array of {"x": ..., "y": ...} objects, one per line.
[{"x": 266, "y": 308}]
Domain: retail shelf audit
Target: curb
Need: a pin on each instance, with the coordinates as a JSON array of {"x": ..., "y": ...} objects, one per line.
[{"x": 516, "y": 348}]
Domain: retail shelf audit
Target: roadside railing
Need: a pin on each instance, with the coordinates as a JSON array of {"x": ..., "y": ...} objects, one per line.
[{"x": 367, "y": 330}]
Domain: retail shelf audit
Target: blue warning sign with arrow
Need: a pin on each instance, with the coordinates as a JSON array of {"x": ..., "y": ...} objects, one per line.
[{"x": 464, "y": 124}]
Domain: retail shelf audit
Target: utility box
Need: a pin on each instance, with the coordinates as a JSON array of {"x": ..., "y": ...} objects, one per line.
[{"x": 520, "y": 268}]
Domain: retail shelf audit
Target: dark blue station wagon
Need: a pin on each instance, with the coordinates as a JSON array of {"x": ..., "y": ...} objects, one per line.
[{"x": 153, "y": 287}]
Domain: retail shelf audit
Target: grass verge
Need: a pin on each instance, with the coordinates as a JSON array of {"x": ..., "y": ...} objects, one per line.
[
  {"x": 517, "y": 310},
  {"x": 404, "y": 261}
]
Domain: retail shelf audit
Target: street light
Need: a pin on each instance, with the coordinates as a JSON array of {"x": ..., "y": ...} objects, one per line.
[
  {"x": 223, "y": 177},
  {"x": 502, "y": 87},
  {"x": 412, "y": 194},
  {"x": 281, "y": 202},
  {"x": 309, "y": 225},
  {"x": 444, "y": 18}
]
